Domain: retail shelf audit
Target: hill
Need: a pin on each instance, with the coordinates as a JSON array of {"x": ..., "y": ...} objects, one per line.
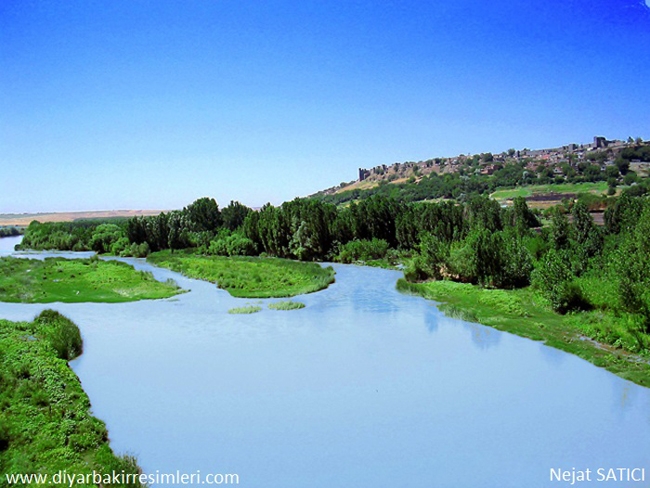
[{"x": 602, "y": 166}]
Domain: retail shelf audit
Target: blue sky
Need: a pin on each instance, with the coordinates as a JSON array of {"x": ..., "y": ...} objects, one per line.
[{"x": 152, "y": 104}]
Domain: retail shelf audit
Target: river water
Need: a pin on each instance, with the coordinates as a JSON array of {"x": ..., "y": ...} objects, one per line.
[{"x": 365, "y": 387}]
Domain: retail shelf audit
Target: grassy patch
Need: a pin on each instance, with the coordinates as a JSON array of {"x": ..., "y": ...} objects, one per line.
[
  {"x": 77, "y": 280},
  {"x": 46, "y": 425},
  {"x": 248, "y": 309},
  {"x": 527, "y": 191},
  {"x": 286, "y": 305},
  {"x": 526, "y": 314},
  {"x": 249, "y": 277}
]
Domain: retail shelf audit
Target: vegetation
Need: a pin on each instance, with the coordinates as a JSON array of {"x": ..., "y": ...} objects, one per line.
[
  {"x": 46, "y": 425},
  {"x": 249, "y": 277},
  {"x": 516, "y": 173},
  {"x": 77, "y": 280},
  {"x": 286, "y": 305},
  {"x": 571, "y": 188},
  {"x": 444, "y": 227},
  {"x": 248, "y": 309},
  {"x": 10, "y": 231},
  {"x": 67, "y": 236},
  {"x": 526, "y": 313}
]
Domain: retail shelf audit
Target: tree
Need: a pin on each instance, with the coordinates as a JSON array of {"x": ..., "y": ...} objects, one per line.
[
  {"x": 630, "y": 177},
  {"x": 435, "y": 255},
  {"x": 559, "y": 229},
  {"x": 623, "y": 215},
  {"x": 234, "y": 215},
  {"x": 585, "y": 231},
  {"x": 104, "y": 236},
  {"x": 554, "y": 279},
  {"x": 622, "y": 164},
  {"x": 522, "y": 218},
  {"x": 633, "y": 265},
  {"x": 177, "y": 226},
  {"x": 203, "y": 215}
]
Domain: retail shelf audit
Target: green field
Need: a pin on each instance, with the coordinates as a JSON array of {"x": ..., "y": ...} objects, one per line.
[
  {"x": 249, "y": 277},
  {"x": 527, "y": 191},
  {"x": 77, "y": 280},
  {"x": 46, "y": 424},
  {"x": 524, "y": 313}
]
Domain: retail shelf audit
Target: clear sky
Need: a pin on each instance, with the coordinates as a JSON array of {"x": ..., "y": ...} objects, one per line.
[{"x": 151, "y": 104}]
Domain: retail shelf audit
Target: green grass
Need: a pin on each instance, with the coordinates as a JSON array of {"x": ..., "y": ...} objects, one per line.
[
  {"x": 526, "y": 191},
  {"x": 248, "y": 309},
  {"x": 523, "y": 312},
  {"x": 286, "y": 305},
  {"x": 77, "y": 280},
  {"x": 249, "y": 277},
  {"x": 46, "y": 424}
]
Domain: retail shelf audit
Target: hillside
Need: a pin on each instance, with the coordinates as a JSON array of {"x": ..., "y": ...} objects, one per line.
[{"x": 602, "y": 166}]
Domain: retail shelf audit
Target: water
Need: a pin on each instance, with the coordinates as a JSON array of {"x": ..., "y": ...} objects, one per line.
[
  {"x": 7, "y": 244},
  {"x": 365, "y": 387}
]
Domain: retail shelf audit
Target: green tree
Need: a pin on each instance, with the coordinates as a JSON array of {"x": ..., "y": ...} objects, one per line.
[
  {"x": 553, "y": 277},
  {"x": 104, "y": 236},
  {"x": 234, "y": 215},
  {"x": 203, "y": 215}
]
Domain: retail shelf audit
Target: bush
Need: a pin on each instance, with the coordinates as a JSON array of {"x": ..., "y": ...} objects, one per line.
[
  {"x": 363, "y": 250},
  {"x": 435, "y": 254},
  {"x": 232, "y": 245},
  {"x": 62, "y": 334},
  {"x": 248, "y": 309},
  {"x": 417, "y": 270},
  {"x": 554, "y": 279},
  {"x": 137, "y": 250},
  {"x": 286, "y": 305}
]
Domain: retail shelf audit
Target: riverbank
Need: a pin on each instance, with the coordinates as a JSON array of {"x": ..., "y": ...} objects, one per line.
[
  {"x": 523, "y": 313},
  {"x": 46, "y": 425},
  {"x": 249, "y": 277},
  {"x": 77, "y": 280}
]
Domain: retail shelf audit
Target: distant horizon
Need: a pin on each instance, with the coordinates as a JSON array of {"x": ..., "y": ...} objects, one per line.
[
  {"x": 224, "y": 204},
  {"x": 155, "y": 104}
]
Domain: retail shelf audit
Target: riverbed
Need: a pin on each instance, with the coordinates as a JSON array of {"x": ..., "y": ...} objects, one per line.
[{"x": 365, "y": 387}]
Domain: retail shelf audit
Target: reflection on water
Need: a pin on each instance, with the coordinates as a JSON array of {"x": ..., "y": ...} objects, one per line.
[
  {"x": 483, "y": 337},
  {"x": 552, "y": 356},
  {"x": 365, "y": 387}
]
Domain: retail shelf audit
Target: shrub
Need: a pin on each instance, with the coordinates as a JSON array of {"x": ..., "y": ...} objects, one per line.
[
  {"x": 62, "y": 334},
  {"x": 286, "y": 305},
  {"x": 248, "y": 309},
  {"x": 139, "y": 250},
  {"x": 435, "y": 254},
  {"x": 363, "y": 250},
  {"x": 232, "y": 245},
  {"x": 555, "y": 280}
]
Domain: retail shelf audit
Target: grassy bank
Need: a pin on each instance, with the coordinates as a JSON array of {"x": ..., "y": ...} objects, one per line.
[
  {"x": 526, "y": 314},
  {"x": 77, "y": 280},
  {"x": 249, "y": 277},
  {"x": 46, "y": 425}
]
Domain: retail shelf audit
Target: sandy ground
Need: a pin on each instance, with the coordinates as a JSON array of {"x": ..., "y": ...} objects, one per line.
[{"x": 25, "y": 219}]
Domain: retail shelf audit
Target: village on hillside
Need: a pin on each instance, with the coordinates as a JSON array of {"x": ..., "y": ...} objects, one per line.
[{"x": 559, "y": 162}]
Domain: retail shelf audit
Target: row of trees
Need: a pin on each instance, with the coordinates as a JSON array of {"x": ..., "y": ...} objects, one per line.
[
  {"x": 477, "y": 241},
  {"x": 10, "y": 231}
]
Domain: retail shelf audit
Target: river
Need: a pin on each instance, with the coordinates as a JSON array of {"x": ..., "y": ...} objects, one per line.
[{"x": 365, "y": 387}]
